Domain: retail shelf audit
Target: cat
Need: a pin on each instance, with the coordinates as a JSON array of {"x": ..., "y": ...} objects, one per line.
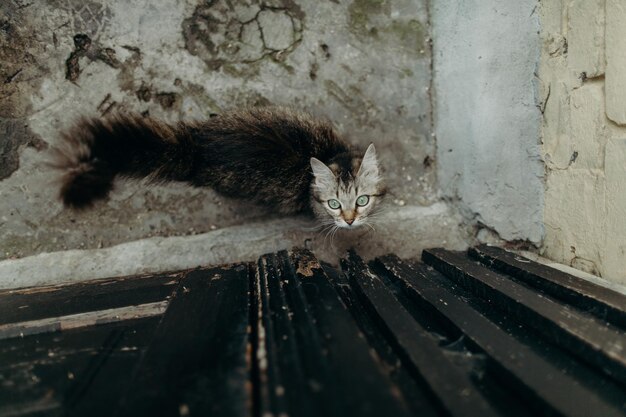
[{"x": 281, "y": 158}]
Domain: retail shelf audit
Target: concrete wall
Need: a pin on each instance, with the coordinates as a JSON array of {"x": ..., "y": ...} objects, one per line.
[
  {"x": 363, "y": 63},
  {"x": 485, "y": 54},
  {"x": 507, "y": 75},
  {"x": 583, "y": 85}
]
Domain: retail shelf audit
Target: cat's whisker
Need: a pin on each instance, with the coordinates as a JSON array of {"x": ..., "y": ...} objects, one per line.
[
  {"x": 330, "y": 230},
  {"x": 332, "y": 238},
  {"x": 372, "y": 220},
  {"x": 325, "y": 224},
  {"x": 370, "y": 226},
  {"x": 374, "y": 215},
  {"x": 326, "y": 237},
  {"x": 322, "y": 225},
  {"x": 327, "y": 230}
]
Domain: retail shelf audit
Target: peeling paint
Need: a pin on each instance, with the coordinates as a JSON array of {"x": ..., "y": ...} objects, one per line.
[{"x": 249, "y": 33}]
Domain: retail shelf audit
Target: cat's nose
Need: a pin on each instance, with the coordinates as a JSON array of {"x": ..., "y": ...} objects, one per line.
[{"x": 349, "y": 221}]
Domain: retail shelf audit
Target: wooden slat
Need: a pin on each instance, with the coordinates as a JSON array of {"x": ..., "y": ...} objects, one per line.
[
  {"x": 290, "y": 337},
  {"x": 594, "y": 341},
  {"x": 417, "y": 396},
  {"x": 52, "y": 346},
  {"x": 528, "y": 373},
  {"x": 318, "y": 374},
  {"x": 41, "y": 374},
  {"x": 451, "y": 386},
  {"x": 62, "y": 300},
  {"x": 39, "y": 383},
  {"x": 600, "y": 301},
  {"x": 97, "y": 388},
  {"x": 197, "y": 362},
  {"x": 358, "y": 383},
  {"x": 43, "y": 407},
  {"x": 312, "y": 358},
  {"x": 282, "y": 384},
  {"x": 74, "y": 321}
]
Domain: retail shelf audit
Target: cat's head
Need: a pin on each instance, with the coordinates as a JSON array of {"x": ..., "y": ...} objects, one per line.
[{"x": 348, "y": 189}]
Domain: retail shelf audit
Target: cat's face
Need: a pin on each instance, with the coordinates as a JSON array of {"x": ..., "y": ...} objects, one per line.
[{"x": 348, "y": 190}]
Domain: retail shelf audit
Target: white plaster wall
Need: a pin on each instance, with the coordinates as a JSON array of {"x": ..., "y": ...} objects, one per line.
[
  {"x": 583, "y": 85},
  {"x": 487, "y": 122}
]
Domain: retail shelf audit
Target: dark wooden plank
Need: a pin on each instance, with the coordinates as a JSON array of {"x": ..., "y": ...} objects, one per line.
[
  {"x": 44, "y": 407},
  {"x": 417, "y": 396},
  {"x": 359, "y": 383},
  {"x": 197, "y": 362},
  {"x": 319, "y": 375},
  {"x": 591, "y": 339},
  {"x": 281, "y": 382},
  {"x": 451, "y": 386},
  {"x": 532, "y": 376},
  {"x": 38, "y": 372},
  {"x": 583, "y": 294},
  {"x": 61, "y": 300},
  {"x": 37, "y": 387},
  {"x": 87, "y": 319},
  {"x": 98, "y": 387},
  {"x": 47, "y": 346},
  {"x": 37, "y": 378},
  {"x": 313, "y": 359},
  {"x": 291, "y": 336}
]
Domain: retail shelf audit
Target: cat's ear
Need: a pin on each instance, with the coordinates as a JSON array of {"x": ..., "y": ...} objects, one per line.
[
  {"x": 324, "y": 177},
  {"x": 369, "y": 164}
]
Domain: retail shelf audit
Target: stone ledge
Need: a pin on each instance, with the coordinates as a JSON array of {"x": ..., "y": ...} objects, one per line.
[{"x": 422, "y": 227}]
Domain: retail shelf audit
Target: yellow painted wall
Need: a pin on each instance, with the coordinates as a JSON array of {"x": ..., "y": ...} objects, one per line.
[{"x": 583, "y": 92}]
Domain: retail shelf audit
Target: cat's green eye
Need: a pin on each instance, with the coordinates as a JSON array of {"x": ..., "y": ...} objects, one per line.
[
  {"x": 334, "y": 204},
  {"x": 362, "y": 200}
]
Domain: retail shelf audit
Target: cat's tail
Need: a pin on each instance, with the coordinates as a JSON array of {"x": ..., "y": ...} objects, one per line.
[{"x": 95, "y": 152}]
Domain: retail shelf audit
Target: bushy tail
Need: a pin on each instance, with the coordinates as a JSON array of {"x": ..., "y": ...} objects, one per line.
[{"x": 95, "y": 152}]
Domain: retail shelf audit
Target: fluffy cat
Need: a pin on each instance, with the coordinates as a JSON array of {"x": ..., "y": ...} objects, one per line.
[{"x": 276, "y": 157}]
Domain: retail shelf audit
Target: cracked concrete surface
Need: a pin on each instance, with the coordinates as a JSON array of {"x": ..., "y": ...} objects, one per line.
[
  {"x": 236, "y": 35},
  {"x": 364, "y": 64}
]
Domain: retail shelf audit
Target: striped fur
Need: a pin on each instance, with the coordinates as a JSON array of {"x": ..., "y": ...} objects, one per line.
[{"x": 261, "y": 154}]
